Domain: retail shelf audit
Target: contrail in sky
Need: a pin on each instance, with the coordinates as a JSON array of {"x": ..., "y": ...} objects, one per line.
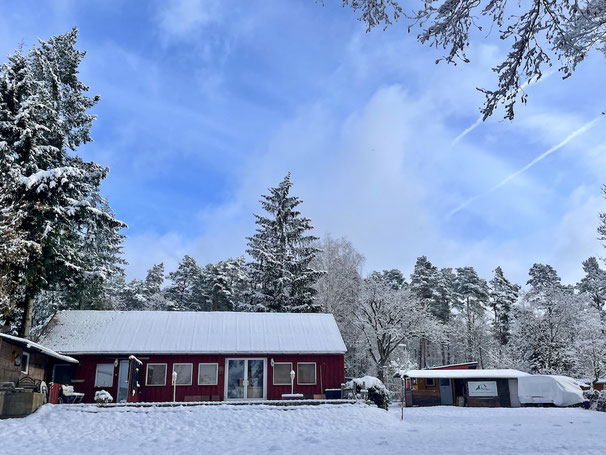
[
  {"x": 480, "y": 119},
  {"x": 587, "y": 126}
]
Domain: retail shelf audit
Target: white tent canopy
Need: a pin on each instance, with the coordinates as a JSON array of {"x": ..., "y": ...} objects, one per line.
[
  {"x": 462, "y": 374},
  {"x": 543, "y": 389}
]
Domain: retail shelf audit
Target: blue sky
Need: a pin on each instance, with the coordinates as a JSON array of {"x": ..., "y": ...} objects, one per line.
[{"x": 205, "y": 104}]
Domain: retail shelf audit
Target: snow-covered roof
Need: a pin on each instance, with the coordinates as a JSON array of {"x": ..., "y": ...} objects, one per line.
[
  {"x": 175, "y": 332},
  {"x": 463, "y": 374},
  {"x": 28, "y": 344},
  {"x": 453, "y": 365}
]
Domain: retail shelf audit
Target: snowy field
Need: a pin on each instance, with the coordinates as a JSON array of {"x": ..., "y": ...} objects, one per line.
[{"x": 325, "y": 429}]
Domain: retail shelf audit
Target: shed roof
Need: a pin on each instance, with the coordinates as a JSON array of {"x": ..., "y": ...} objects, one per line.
[
  {"x": 456, "y": 366},
  {"x": 462, "y": 374},
  {"x": 173, "y": 332},
  {"x": 30, "y": 345}
]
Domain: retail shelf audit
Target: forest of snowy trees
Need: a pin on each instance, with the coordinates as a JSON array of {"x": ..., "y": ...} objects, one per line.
[{"x": 61, "y": 248}]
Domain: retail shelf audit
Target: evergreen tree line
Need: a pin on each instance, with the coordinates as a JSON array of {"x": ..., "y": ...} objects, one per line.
[
  {"x": 279, "y": 277},
  {"x": 435, "y": 317},
  {"x": 444, "y": 316}
]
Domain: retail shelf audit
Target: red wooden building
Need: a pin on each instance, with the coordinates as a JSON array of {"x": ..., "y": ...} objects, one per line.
[{"x": 216, "y": 355}]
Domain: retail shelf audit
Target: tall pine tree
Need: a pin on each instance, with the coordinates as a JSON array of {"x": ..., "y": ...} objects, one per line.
[
  {"x": 471, "y": 298},
  {"x": 594, "y": 284},
  {"x": 154, "y": 280},
  {"x": 423, "y": 282},
  {"x": 282, "y": 253},
  {"x": 186, "y": 291},
  {"x": 503, "y": 294}
]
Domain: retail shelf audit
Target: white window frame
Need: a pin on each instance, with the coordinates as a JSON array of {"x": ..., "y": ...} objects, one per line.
[
  {"x": 25, "y": 361},
  {"x": 191, "y": 377},
  {"x": 430, "y": 385},
  {"x": 97, "y": 374},
  {"x": 147, "y": 374},
  {"x": 216, "y": 372},
  {"x": 315, "y": 373},
  {"x": 273, "y": 376},
  {"x": 246, "y": 359}
]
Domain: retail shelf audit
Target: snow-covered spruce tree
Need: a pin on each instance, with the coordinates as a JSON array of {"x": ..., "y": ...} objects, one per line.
[
  {"x": 217, "y": 290},
  {"x": 282, "y": 253},
  {"x": 186, "y": 291},
  {"x": 49, "y": 196},
  {"x": 503, "y": 294},
  {"x": 387, "y": 317},
  {"x": 141, "y": 295},
  {"x": 132, "y": 296},
  {"x": 471, "y": 298},
  {"x": 224, "y": 284}
]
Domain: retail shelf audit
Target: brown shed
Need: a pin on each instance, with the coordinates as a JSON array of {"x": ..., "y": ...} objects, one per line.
[
  {"x": 468, "y": 387},
  {"x": 24, "y": 368}
]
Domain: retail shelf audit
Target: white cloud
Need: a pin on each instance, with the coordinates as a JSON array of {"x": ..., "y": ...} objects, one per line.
[
  {"x": 384, "y": 175},
  {"x": 575, "y": 238},
  {"x": 183, "y": 19}
]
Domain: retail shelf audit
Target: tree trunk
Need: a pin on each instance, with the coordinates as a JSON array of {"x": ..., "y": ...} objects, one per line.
[
  {"x": 469, "y": 347},
  {"x": 381, "y": 371},
  {"x": 28, "y": 310}
]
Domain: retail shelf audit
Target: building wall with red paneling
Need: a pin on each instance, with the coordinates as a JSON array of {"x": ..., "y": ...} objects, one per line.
[{"x": 330, "y": 373}]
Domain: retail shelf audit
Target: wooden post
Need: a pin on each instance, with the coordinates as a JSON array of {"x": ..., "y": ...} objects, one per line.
[
  {"x": 321, "y": 385},
  {"x": 402, "y": 399}
]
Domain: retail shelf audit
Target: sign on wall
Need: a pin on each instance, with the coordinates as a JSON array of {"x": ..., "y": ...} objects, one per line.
[{"x": 482, "y": 389}]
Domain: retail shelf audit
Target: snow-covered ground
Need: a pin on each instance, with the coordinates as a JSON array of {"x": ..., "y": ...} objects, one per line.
[{"x": 325, "y": 429}]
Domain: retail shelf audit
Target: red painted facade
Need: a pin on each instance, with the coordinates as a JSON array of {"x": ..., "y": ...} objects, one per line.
[{"x": 330, "y": 373}]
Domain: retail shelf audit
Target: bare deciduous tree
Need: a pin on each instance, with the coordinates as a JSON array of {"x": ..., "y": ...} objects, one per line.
[{"x": 386, "y": 317}]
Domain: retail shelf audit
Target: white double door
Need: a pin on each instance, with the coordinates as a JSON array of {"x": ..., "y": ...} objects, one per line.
[{"x": 246, "y": 379}]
